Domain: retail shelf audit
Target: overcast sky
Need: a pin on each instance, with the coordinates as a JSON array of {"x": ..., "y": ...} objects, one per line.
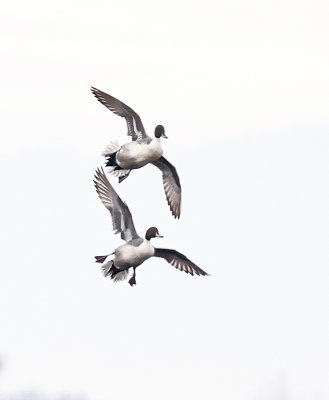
[{"x": 242, "y": 90}]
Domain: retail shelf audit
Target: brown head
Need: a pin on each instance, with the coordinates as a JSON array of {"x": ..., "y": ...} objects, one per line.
[
  {"x": 152, "y": 233},
  {"x": 160, "y": 132}
]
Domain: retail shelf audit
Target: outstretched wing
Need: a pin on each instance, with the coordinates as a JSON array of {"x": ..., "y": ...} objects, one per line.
[
  {"x": 171, "y": 185},
  {"x": 121, "y": 218},
  {"x": 134, "y": 123},
  {"x": 179, "y": 261}
]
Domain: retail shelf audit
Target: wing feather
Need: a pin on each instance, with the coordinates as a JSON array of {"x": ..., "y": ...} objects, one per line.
[
  {"x": 134, "y": 123},
  {"x": 179, "y": 261},
  {"x": 171, "y": 185},
  {"x": 121, "y": 217}
]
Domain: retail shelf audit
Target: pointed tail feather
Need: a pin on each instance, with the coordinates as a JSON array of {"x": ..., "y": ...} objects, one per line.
[{"x": 111, "y": 161}]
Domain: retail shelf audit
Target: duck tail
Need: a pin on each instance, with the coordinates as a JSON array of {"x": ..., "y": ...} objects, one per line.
[
  {"x": 109, "y": 269},
  {"x": 111, "y": 148},
  {"x": 110, "y": 152},
  {"x": 111, "y": 161}
]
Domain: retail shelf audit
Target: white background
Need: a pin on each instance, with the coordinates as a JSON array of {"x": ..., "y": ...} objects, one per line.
[{"x": 242, "y": 90}]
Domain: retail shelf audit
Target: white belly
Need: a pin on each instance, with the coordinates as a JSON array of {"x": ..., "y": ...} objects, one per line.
[
  {"x": 135, "y": 155},
  {"x": 131, "y": 256}
]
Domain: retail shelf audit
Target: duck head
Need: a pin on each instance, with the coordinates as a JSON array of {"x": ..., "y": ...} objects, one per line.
[
  {"x": 160, "y": 132},
  {"x": 152, "y": 233}
]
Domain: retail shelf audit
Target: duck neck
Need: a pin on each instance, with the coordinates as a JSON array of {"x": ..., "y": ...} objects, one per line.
[{"x": 156, "y": 144}]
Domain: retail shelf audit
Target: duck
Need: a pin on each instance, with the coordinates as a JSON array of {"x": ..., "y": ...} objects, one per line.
[
  {"x": 143, "y": 150},
  {"x": 137, "y": 249}
]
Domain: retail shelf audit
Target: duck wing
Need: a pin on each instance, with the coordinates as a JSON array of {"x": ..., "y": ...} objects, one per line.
[
  {"x": 121, "y": 217},
  {"x": 179, "y": 261},
  {"x": 171, "y": 185},
  {"x": 134, "y": 123}
]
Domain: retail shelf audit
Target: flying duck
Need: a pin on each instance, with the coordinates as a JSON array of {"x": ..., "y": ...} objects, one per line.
[
  {"x": 141, "y": 151},
  {"x": 136, "y": 250}
]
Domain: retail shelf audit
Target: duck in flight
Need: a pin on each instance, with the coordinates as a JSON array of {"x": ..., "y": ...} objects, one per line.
[
  {"x": 136, "y": 250},
  {"x": 141, "y": 151}
]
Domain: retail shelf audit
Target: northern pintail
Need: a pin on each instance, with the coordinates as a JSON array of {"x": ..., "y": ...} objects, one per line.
[
  {"x": 136, "y": 249},
  {"x": 141, "y": 151}
]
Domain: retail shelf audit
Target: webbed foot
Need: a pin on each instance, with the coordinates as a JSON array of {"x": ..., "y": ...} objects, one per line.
[
  {"x": 101, "y": 259},
  {"x": 132, "y": 281},
  {"x": 122, "y": 178}
]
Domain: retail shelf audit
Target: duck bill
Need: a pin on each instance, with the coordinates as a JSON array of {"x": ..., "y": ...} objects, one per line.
[
  {"x": 159, "y": 236},
  {"x": 164, "y": 136}
]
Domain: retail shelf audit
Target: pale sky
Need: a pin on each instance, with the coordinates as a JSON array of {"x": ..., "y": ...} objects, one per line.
[{"x": 242, "y": 90}]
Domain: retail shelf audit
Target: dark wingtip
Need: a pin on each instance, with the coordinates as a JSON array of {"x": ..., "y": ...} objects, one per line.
[
  {"x": 95, "y": 92},
  {"x": 201, "y": 272},
  {"x": 176, "y": 216},
  {"x": 174, "y": 208}
]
